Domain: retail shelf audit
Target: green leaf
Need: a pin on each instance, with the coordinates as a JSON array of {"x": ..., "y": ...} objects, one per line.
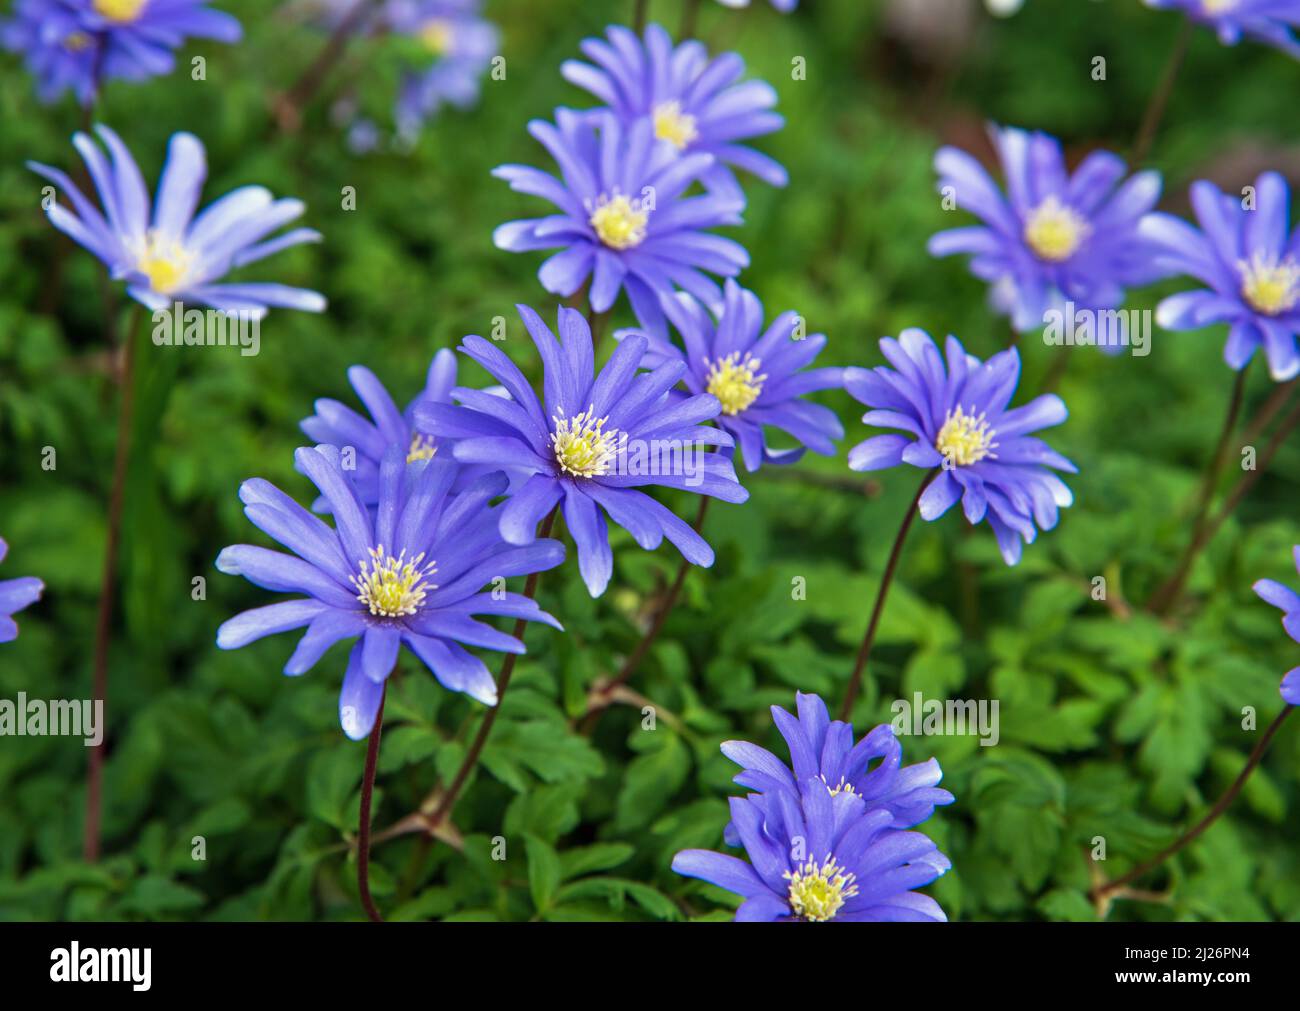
[{"x": 543, "y": 871}]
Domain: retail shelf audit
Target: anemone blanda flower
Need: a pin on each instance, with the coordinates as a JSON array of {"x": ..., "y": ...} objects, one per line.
[
  {"x": 592, "y": 440},
  {"x": 758, "y": 375},
  {"x": 1267, "y": 21},
  {"x": 15, "y": 594},
  {"x": 462, "y": 44},
  {"x": 408, "y": 574},
  {"x": 77, "y": 44},
  {"x": 823, "y": 749},
  {"x": 958, "y": 421},
  {"x": 1250, "y": 260},
  {"x": 1288, "y": 602},
  {"x": 622, "y": 219},
  {"x": 1056, "y": 236},
  {"x": 694, "y": 102},
  {"x": 172, "y": 255}
]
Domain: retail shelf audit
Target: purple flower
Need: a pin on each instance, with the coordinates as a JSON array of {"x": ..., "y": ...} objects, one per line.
[
  {"x": 823, "y": 749},
  {"x": 827, "y": 852},
  {"x": 173, "y": 255},
  {"x": 957, "y": 420},
  {"x": 1249, "y": 260},
  {"x": 784, "y": 6},
  {"x": 1264, "y": 21},
  {"x": 622, "y": 219},
  {"x": 77, "y": 44},
  {"x": 1055, "y": 237},
  {"x": 15, "y": 594},
  {"x": 599, "y": 437},
  {"x": 693, "y": 101},
  {"x": 410, "y": 573},
  {"x": 1288, "y": 602},
  {"x": 462, "y": 44},
  {"x": 758, "y": 375}
]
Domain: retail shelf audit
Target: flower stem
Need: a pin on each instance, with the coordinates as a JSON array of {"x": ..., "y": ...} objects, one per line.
[
  {"x": 1220, "y": 806},
  {"x": 864, "y": 651},
  {"x": 1164, "y": 598},
  {"x": 596, "y": 322},
  {"x": 638, "y": 15},
  {"x": 108, "y": 584},
  {"x": 690, "y": 12},
  {"x": 1160, "y": 98},
  {"x": 288, "y": 107},
  {"x": 601, "y": 696},
  {"x": 363, "y": 829},
  {"x": 450, "y": 795}
]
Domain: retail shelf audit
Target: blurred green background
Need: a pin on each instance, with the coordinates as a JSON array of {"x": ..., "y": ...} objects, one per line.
[{"x": 1113, "y": 724}]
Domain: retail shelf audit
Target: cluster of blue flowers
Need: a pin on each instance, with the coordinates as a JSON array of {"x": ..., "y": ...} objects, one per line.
[{"x": 432, "y": 504}]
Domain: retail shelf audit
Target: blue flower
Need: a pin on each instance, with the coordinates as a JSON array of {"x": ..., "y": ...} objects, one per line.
[
  {"x": 958, "y": 421},
  {"x": 410, "y": 573},
  {"x": 622, "y": 218},
  {"x": 1055, "y": 237},
  {"x": 784, "y": 6},
  {"x": 173, "y": 255},
  {"x": 1250, "y": 260},
  {"x": 1288, "y": 602},
  {"x": 821, "y": 852},
  {"x": 693, "y": 101},
  {"x": 76, "y": 44},
  {"x": 599, "y": 437},
  {"x": 823, "y": 749},
  {"x": 1266, "y": 21},
  {"x": 15, "y": 594},
  {"x": 462, "y": 43},
  {"x": 758, "y": 375}
]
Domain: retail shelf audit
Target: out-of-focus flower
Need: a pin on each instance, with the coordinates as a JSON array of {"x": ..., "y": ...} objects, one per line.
[
  {"x": 1288, "y": 602},
  {"x": 1056, "y": 236},
  {"x": 599, "y": 437},
  {"x": 693, "y": 101},
  {"x": 408, "y": 574},
  {"x": 172, "y": 255},
  {"x": 758, "y": 375},
  {"x": 1250, "y": 259},
  {"x": 621, "y": 218},
  {"x": 15, "y": 594},
  {"x": 461, "y": 43},
  {"x": 1267, "y": 21},
  {"x": 784, "y": 6},
  {"x": 958, "y": 421}
]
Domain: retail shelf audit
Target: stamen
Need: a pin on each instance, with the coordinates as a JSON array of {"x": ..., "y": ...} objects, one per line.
[
  {"x": 582, "y": 446},
  {"x": 423, "y": 447},
  {"x": 437, "y": 34},
  {"x": 1270, "y": 286},
  {"x": 620, "y": 223},
  {"x": 843, "y": 786},
  {"x": 733, "y": 381},
  {"x": 121, "y": 11},
  {"x": 1054, "y": 231},
  {"x": 391, "y": 587},
  {"x": 965, "y": 438},
  {"x": 817, "y": 893},
  {"x": 166, "y": 263},
  {"x": 673, "y": 125}
]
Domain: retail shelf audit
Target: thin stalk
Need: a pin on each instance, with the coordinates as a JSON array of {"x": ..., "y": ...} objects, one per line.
[
  {"x": 1275, "y": 402},
  {"x": 288, "y": 109},
  {"x": 1220, "y": 806},
  {"x": 638, "y": 15},
  {"x": 597, "y": 323},
  {"x": 363, "y": 830},
  {"x": 449, "y": 797},
  {"x": 1155, "y": 110},
  {"x": 690, "y": 12},
  {"x": 108, "y": 584},
  {"x": 864, "y": 651}
]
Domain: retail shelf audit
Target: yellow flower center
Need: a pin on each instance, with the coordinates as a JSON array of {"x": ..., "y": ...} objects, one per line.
[
  {"x": 76, "y": 42},
  {"x": 673, "y": 125},
  {"x": 582, "y": 446},
  {"x": 166, "y": 263},
  {"x": 1270, "y": 286},
  {"x": 619, "y": 222},
  {"x": 733, "y": 381},
  {"x": 843, "y": 786},
  {"x": 1054, "y": 232},
  {"x": 390, "y": 586},
  {"x": 965, "y": 438},
  {"x": 817, "y": 893},
  {"x": 1214, "y": 7},
  {"x": 121, "y": 11},
  {"x": 423, "y": 447},
  {"x": 436, "y": 35}
]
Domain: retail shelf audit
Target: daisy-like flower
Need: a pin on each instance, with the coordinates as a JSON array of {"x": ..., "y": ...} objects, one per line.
[
  {"x": 408, "y": 574},
  {"x": 818, "y": 854},
  {"x": 1288, "y": 602},
  {"x": 15, "y": 594},
  {"x": 1267, "y": 21},
  {"x": 590, "y": 443},
  {"x": 758, "y": 375},
  {"x": 171, "y": 255},
  {"x": 77, "y": 44},
  {"x": 694, "y": 102},
  {"x": 1249, "y": 258},
  {"x": 1056, "y": 237},
  {"x": 958, "y": 421},
  {"x": 622, "y": 219},
  {"x": 823, "y": 749},
  {"x": 461, "y": 44}
]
